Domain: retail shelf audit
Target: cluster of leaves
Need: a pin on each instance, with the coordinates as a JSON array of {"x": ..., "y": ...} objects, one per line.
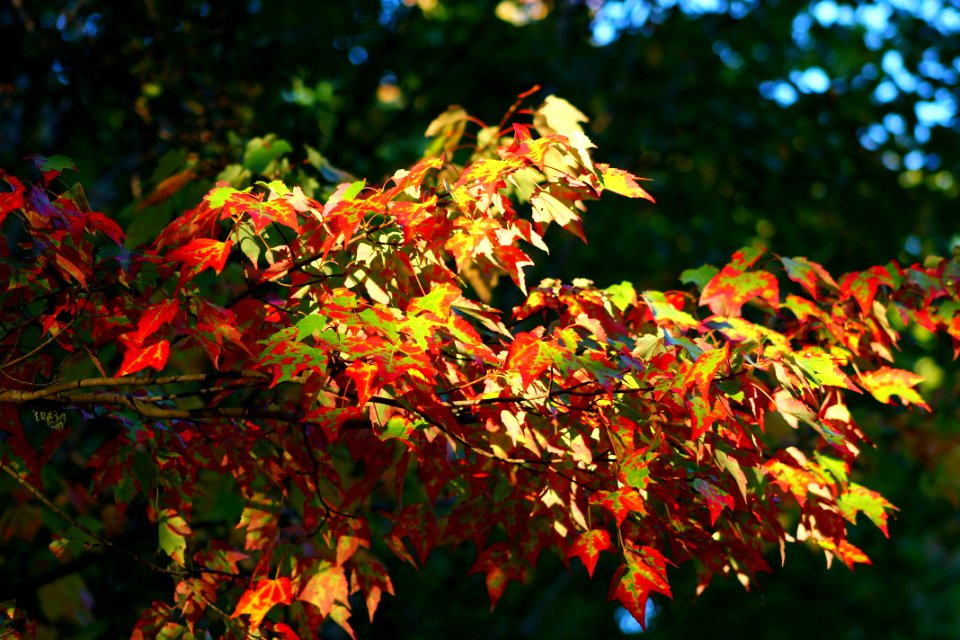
[{"x": 322, "y": 362}]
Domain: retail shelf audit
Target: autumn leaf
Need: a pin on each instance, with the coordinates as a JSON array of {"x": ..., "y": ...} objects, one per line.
[
  {"x": 863, "y": 285},
  {"x": 717, "y": 500},
  {"x": 702, "y": 415},
  {"x": 857, "y": 499},
  {"x": 791, "y": 479},
  {"x": 168, "y": 187},
  {"x": 588, "y": 546},
  {"x": 174, "y": 531},
  {"x": 635, "y": 471},
  {"x": 103, "y": 224},
  {"x": 364, "y": 376},
  {"x": 262, "y": 213},
  {"x": 260, "y": 598},
  {"x": 500, "y": 564},
  {"x": 702, "y": 373},
  {"x": 202, "y": 253},
  {"x": 808, "y": 274},
  {"x": 10, "y": 200},
  {"x": 620, "y": 503},
  {"x": 326, "y": 586},
  {"x": 530, "y": 355},
  {"x": 729, "y": 290},
  {"x": 848, "y": 553},
  {"x": 52, "y": 166},
  {"x": 547, "y": 208},
  {"x": 823, "y": 370},
  {"x": 437, "y": 302},
  {"x": 556, "y": 115},
  {"x": 622, "y": 182},
  {"x": 71, "y": 269},
  {"x": 643, "y": 572},
  {"x": 665, "y": 311},
  {"x": 371, "y": 578},
  {"x": 886, "y": 382},
  {"x": 154, "y": 318},
  {"x": 153, "y": 355}
]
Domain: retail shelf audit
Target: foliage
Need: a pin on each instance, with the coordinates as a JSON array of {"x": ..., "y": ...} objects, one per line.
[{"x": 291, "y": 391}]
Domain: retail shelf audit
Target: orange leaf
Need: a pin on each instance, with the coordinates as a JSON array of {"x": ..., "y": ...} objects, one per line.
[
  {"x": 531, "y": 355},
  {"x": 887, "y": 381},
  {"x": 203, "y": 253},
  {"x": 364, "y": 375},
  {"x": 848, "y": 554},
  {"x": 167, "y": 187},
  {"x": 154, "y": 355},
  {"x": 71, "y": 269},
  {"x": 259, "y": 599},
  {"x": 327, "y": 586},
  {"x": 707, "y": 366}
]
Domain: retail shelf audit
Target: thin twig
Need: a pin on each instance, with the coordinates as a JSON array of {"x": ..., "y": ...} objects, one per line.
[{"x": 82, "y": 527}]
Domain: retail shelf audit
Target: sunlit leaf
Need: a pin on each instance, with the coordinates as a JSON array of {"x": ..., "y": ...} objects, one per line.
[
  {"x": 886, "y": 382},
  {"x": 261, "y": 597},
  {"x": 588, "y": 546},
  {"x": 153, "y": 355}
]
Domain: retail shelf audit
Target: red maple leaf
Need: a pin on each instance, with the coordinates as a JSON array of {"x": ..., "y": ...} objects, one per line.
[
  {"x": 153, "y": 355},
  {"x": 202, "y": 253},
  {"x": 588, "y": 546},
  {"x": 260, "y": 598}
]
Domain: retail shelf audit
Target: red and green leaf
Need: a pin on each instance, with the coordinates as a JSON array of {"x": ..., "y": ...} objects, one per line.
[
  {"x": 856, "y": 499},
  {"x": 326, "y": 586},
  {"x": 886, "y": 382},
  {"x": 717, "y": 499},
  {"x": 588, "y": 546},
  {"x": 729, "y": 290},
  {"x": 202, "y": 253}
]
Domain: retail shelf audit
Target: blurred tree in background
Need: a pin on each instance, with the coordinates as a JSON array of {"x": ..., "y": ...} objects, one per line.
[{"x": 825, "y": 129}]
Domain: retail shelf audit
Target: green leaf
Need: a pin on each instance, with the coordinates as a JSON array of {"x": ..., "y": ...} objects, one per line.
[
  {"x": 858, "y": 499},
  {"x": 635, "y": 471},
  {"x": 706, "y": 367},
  {"x": 699, "y": 276},
  {"x": 261, "y": 153},
  {"x": 823, "y": 370},
  {"x": 353, "y": 190},
  {"x": 219, "y": 196},
  {"x": 173, "y": 535},
  {"x": 622, "y": 295},
  {"x": 664, "y": 311}
]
